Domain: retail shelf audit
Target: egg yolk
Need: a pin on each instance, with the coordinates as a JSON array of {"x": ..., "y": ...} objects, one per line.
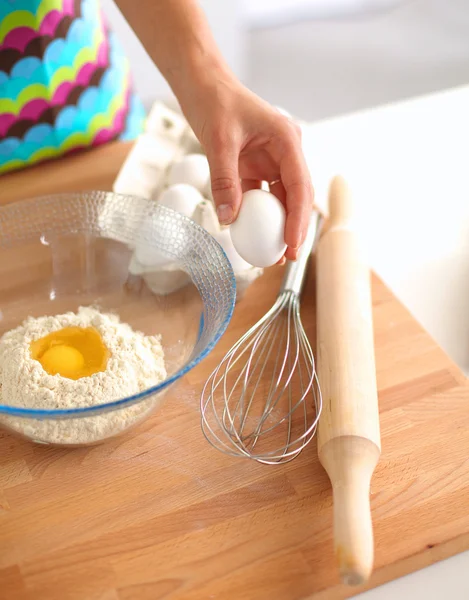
[
  {"x": 63, "y": 360},
  {"x": 72, "y": 352}
]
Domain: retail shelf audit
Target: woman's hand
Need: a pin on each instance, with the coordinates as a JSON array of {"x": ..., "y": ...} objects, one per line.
[{"x": 247, "y": 141}]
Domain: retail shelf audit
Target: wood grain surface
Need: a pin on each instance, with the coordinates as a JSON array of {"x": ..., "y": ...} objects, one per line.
[{"x": 159, "y": 514}]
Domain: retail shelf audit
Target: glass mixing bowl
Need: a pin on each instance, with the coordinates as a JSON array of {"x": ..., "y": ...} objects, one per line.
[{"x": 61, "y": 252}]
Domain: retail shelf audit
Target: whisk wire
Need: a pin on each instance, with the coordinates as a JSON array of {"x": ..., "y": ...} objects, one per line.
[
  {"x": 230, "y": 363},
  {"x": 279, "y": 337},
  {"x": 273, "y": 424}
]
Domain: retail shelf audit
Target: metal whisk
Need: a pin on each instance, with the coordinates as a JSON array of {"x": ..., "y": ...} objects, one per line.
[{"x": 263, "y": 401}]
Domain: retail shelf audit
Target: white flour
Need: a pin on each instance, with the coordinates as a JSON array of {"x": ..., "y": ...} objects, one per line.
[{"x": 136, "y": 363}]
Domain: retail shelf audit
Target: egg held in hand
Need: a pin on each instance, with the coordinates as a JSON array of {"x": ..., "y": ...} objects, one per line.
[{"x": 258, "y": 234}]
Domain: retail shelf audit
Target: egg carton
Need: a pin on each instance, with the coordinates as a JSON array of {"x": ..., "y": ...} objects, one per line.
[{"x": 167, "y": 165}]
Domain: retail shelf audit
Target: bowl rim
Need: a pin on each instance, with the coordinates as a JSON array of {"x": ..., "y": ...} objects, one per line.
[{"x": 9, "y": 410}]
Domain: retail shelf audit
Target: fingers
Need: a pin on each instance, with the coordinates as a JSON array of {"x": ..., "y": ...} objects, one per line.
[
  {"x": 226, "y": 188},
  {"x": 250, "y": 184},
  {"x": 291, "y": 254},
  {"x": 299, "y": 193},
  {"x": 278, "y": 189}
]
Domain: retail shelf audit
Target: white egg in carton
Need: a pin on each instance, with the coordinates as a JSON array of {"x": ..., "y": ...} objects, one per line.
[{"x": 167, "y": 165}]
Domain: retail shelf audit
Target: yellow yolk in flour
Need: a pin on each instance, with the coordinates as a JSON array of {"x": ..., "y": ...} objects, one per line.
[{"x": 72, "y": 352}]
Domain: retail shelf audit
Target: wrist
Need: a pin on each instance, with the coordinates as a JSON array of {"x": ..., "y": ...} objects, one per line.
[{"x": 200, "y": 77}]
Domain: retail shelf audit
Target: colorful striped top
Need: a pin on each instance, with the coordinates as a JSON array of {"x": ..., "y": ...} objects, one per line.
[{"x": 65, "y": 82}]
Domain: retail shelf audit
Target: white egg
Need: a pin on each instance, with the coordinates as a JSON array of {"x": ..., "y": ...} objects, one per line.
[
  {"x": 258, "y": 234},
  {"x": 238, "y": 263},
  {"x": 192, "y": 169},
  {"x": 146, "y": 256},
  {"x": 167, "y": 280},
  {"x": 182, "y": 198}
]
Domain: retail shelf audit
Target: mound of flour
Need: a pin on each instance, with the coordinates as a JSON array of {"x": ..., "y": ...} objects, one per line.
[{"x": 136, "y": 363}]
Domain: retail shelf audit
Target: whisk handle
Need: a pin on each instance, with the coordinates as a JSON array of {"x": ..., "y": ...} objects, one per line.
[{"x": 295, "y": 270}]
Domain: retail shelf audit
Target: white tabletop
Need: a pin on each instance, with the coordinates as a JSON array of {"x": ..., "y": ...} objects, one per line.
[{"x": 408, "y": 165}]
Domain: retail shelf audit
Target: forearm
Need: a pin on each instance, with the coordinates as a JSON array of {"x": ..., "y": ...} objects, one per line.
[{"x": 176, "y": 35}]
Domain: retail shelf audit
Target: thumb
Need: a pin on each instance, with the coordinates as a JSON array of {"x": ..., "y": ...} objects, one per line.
[{"x": 226, "y": 186}]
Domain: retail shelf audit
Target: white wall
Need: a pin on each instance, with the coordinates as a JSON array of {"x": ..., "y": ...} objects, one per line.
[
  {"x": 317, "y": 69},
  {"x": 269, "y": 13},
  {"x": 225, "y": 17}
]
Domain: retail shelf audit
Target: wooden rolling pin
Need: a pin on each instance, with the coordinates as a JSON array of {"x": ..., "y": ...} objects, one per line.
[{"x": 348, "y": 433}]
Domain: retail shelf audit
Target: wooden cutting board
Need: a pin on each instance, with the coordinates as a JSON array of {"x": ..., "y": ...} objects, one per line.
[{"x": 160, "y": 514}]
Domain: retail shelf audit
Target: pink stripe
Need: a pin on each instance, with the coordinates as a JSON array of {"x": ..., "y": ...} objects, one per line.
[
  {"x": 102, "y": 58},
  {"x": 61, "y": 93},
  {"x": 6, "y": 120},
  {"x": 30, "y": 111},
  {"x": 105, "y": 135},
  {"x": 85, "y": 74},
  {"x": 19, "y": 38},
  {"x": 67, "y": 7},
  {"x": 104, "y": 19},
  {"x": 82, "y": 79},
  {"x": 79, "y": 148},
  {"x": 52, "y": 19},
  {"x": 50, "y": 22},
  {"x": 33, "y": 109}
]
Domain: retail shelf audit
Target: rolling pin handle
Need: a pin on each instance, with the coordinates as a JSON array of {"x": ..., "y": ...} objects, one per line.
[{"x": 350, "y": 462}]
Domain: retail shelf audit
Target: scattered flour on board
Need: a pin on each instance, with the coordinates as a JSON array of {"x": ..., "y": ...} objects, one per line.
[{"x": 136, "y": 363}]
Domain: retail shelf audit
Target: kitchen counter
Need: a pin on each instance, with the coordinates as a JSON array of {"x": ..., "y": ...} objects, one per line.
[
  {"x": 71, "y": 174},
  {"x": 66, "y": 538}
]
